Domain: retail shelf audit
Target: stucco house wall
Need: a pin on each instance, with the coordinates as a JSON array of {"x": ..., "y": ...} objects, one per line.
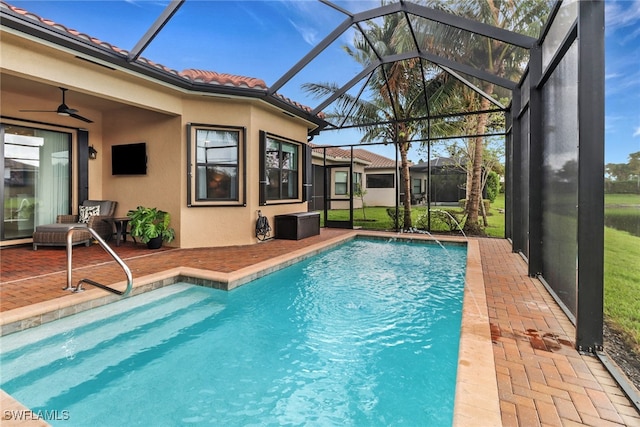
[
  {"x": 128, "y": 108},
  {"x": 380, "y": 196}
]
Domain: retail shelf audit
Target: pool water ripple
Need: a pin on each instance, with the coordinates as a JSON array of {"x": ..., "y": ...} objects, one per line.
[{"x": 364, "y": 334}]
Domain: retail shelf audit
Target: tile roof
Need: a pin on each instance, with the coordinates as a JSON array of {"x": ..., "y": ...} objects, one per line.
[
  {"x": 192, "y": 75},
  {"x": 47, "y": 22},
  {"x": 333, "y": 152},
  {"x": 211, "y": 77},
  {"x": 375, "y": 161},
  {"x": 195, "y": 76}
]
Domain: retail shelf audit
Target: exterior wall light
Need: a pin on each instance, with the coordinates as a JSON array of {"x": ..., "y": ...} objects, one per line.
[{"x": 93, "y": 153}]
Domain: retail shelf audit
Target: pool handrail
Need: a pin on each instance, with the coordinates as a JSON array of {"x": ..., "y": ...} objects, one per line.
[{"x": 107, "y": 249}]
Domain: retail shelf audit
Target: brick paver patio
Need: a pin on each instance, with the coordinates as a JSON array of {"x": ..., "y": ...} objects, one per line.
[{"x": 542, "y": 380}]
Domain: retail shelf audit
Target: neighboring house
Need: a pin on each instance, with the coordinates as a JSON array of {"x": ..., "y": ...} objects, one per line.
[
  {"x": 210, "y": 161},
  {"x": 373, "y": 173},
  {"x": 334, "y": 163},
  {"x": 448, "y": 180}
]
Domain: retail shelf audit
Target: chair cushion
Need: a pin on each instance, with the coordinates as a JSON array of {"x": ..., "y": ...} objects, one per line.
[
  {"x": 86, "y": 212},
  {"x": 58, "y": 227}
]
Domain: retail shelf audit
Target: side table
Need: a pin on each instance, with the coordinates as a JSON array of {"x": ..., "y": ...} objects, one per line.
[{"x": 121, "y": 228}]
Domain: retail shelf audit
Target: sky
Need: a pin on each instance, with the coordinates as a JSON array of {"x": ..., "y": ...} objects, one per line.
[
  {"x": 265, "y": 38},
  {"x": 622, "y": 80}
]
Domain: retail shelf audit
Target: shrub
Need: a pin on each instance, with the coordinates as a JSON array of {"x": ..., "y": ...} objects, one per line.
[
  {"x": 440, "y": 221},
  {"x": 392, "y": 214},
  {"x": 493, "y": 186},
  {"x": 622, "y": 187}
]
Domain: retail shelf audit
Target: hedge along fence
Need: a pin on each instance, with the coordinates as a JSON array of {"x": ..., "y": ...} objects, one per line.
[{"x": 622, "y": 187}]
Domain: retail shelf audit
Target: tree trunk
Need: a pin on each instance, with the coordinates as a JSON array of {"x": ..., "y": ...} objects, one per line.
[
  {"x": 467, "y": 187},
  {"x": 474, "y": 195},
  {"x": 406, "y": 183},
  {"x": 484, "y": 214}
]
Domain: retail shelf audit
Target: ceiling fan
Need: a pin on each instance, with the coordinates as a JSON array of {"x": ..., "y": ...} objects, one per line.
[{"x": 63, "y": 110}]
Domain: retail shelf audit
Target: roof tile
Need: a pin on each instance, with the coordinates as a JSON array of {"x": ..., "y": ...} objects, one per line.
[
  {"x": 333, "y": 152},
  {"x": 224, "y": 79},
  {"x": 377, "y": 161}
]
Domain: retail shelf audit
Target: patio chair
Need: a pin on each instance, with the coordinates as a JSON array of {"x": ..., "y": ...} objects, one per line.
[{"x": 94, "y": 213}]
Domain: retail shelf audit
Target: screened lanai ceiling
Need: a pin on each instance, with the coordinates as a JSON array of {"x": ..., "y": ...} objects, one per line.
[{"x": 342, "y": 63}]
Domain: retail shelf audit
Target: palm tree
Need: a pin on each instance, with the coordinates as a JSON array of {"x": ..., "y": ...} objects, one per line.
[
  {"x": 494, "y": 56},
  {"x": 398, "y": 94}
]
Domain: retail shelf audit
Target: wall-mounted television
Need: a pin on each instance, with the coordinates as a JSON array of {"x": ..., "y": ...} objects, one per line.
[{"x": 129, "y": 159}]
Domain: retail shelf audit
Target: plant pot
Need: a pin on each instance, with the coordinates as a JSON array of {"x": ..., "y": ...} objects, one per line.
[{"x": 155, "y": 243}]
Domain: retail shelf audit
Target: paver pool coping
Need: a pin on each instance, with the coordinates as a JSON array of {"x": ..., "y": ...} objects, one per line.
[{"x": 476, "y": 398}]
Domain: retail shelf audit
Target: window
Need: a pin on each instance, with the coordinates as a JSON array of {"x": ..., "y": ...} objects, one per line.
[
  {"x": 37, "y": 178},
  {"x": 380, "y": 180},
  {"x": 280, "y": 167},
  {"x": 357, "y": 182},
  {"x": 416, "y": 187},
  {"x": 341, "y": 183},
  {"x": 215, "y": 154}
]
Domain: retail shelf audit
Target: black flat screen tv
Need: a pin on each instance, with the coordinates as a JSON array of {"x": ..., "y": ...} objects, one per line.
[{"x": 129, "y": 159}]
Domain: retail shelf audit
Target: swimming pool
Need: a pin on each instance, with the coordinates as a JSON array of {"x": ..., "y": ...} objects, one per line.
[{"x": 364, "y": 334}]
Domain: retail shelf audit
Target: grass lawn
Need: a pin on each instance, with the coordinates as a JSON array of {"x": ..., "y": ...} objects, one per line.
[
  {"x": 378, "y": 219},
  {"x": 495, "y": 218},
  {"x": 622, "y": 199},
  {"x": 622, "y": 284},
  {"x": 622, "y": 266}
]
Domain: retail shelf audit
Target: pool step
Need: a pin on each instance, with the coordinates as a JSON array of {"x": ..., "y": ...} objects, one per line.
[{"x": 64, "y": 359}]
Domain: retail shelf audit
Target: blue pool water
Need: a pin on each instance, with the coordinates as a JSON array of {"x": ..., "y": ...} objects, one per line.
[{"x": 365, "y": 334}]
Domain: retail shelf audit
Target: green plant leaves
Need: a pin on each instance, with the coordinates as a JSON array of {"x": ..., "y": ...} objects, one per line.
[{"x": 147, "y": 223}]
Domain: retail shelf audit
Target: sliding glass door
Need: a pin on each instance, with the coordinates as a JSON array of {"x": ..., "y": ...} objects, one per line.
[{"x": 37, "y": 178}]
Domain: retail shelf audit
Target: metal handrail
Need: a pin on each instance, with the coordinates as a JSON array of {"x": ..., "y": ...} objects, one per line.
[{"x": 110, "y": 251}]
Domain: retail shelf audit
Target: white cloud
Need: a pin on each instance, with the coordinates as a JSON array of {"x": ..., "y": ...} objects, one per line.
[
  {"x": 257, "y": 19},
  {"x": 309, "y": 35},
  {"x": 310, "y": 19},
  {"x": 618, "y": 15},
  {"x": 637, "y": 132},
  {"x": 625, "y": 80}
]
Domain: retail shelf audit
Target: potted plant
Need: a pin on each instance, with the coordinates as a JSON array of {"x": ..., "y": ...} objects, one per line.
[{"x": 151, "y": 226}]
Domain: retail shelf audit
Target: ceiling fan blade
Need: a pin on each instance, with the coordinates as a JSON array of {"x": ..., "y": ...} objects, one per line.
[
  {"x": 79, "y": 117},
  {"x": 63, "y": 110}
]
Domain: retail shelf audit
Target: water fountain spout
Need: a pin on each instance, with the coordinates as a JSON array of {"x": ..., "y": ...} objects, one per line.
[
  {"x": 453, "y": 219},
  {"x": 415, "y": 230}
]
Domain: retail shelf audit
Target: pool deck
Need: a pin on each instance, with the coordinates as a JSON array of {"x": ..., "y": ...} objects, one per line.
[{"x": 517, "y": 364}]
